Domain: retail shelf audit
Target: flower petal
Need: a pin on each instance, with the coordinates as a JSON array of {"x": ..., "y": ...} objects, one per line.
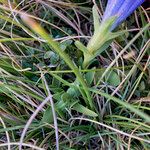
[
  {"x": 112, "y": 8},
  {"x": 127, "y": 8}
]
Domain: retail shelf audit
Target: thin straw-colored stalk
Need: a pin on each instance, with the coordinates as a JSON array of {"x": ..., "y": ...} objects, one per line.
[
  {"x": 124, "y": 104},
  {"x": 123, "y": 51}
]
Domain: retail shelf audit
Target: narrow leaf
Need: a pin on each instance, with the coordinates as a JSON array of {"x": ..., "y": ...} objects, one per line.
[
  {"x": 80, "y": 46},
  {"x": 80, "y": 108},
  {"x": 96, "y": 19}
]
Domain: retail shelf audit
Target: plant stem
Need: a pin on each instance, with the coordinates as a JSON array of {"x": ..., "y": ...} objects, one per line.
[{"x": 39, "y": 30}]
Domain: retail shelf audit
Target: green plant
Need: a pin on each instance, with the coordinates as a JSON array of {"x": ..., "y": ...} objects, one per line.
[{"x": 57, "y": 94}]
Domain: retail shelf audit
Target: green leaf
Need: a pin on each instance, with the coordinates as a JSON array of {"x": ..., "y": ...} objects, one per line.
[
  {"x": 101, "y": 36},
  {"x": 114, "y": 35},
  {"x": 66, "y": 97},
  {"x": 49, "y": 54},
  {"x": 96, "y": 18},
  {"x": 47, "y": 117},
  {"x": 103, "y": 48},
  {"x": 80, "y": 46},
  {"x": 52, "y": 57},
  {"x": 64, "y": 44},
  {"x": 113, "y": 78},
  {"x": 74, "y": 90},
  {"x": 80, "y": 108},
  {"x": 142, "y": 86},
  {"x": 89, "y": 76}
]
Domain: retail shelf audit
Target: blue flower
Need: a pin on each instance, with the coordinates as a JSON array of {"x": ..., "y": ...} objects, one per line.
[
  {"x": 116, "y": 12},
  {"x": 121, "y": 9}
]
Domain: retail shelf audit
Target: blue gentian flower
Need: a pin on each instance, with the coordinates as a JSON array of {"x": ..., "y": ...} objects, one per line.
[
  {"x": 116, "y": 12},
  {"x": 121, "y": 9}
]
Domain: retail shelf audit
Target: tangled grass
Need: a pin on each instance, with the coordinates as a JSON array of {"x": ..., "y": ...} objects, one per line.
[{"x": 48, "y": 101}]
